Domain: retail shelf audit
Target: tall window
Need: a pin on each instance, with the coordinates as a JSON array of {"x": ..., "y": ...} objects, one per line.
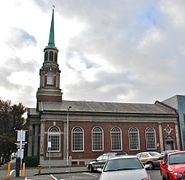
[
  {"x": 51, "y": 56},
  {"x": 97, "y": 139},
  {"x": 116, "y": 139},
  {"x": 77, "y": 139},
  {"x": 150, "y": 138},
  {"x": 46, "y": 56},
  {"x": 134, "y": 143},
  {"x": 56, "y": 57},
  {"x": 54, "y": 139},
  {"x": 50, "y": 78}
]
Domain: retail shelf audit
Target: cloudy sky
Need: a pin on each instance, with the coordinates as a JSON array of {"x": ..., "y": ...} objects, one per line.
[{"x": 109, "y": 50}]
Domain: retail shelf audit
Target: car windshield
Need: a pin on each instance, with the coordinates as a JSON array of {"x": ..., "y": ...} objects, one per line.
[
  {"x": 154, "y": 154},
  {"x": 123, "y": 164},
  {"x": 105, "y": 156},
  {"x": 177, "y": 158}
]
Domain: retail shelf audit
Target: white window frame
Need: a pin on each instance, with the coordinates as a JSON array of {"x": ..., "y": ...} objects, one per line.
[
  {"x": 111, "y": 135},
  {"x": 154, "y": 137},
  {"x": 54, "y": 134},
  {"x": 138, "y": 138},
  {"x": 102, "y": 139},
  {"x": 72, "y": 139}
]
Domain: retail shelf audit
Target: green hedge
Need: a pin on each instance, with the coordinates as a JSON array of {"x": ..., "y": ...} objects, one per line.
[{"x": 32, "y": 161}]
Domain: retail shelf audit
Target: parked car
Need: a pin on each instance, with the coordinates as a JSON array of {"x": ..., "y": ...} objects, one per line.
[
  {"x": 102, "y": 159},
  {"x": 124, "y": 167},
  {"x": 152, "y": 158},
  {"x": 173, "y": 166},
  {"x": 168, "y": 151}
]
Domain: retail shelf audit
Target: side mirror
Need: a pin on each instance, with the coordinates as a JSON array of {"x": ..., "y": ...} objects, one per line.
[{"x": 100, "y": 170}]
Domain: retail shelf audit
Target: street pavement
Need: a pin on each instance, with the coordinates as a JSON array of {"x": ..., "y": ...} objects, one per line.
[
  {"x": 51, "y": 173},
  {"x": 30, "y": 172}
]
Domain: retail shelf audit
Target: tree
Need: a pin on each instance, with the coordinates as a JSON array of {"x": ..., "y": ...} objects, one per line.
[{"x": 11, "y": 119}]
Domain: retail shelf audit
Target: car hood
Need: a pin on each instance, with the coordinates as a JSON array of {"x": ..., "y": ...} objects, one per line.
[
  {"x": 177, "y": 168},
  {"x": 124, "y": 174}
]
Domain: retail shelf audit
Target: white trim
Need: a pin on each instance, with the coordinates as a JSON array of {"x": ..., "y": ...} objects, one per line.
[
  {"x": 72, "y": 139},
  {"x": 102, "y": 139},
  {"x": 54, "y": 134},
  {"x": 120, "y": 131},
  {"x": 138, "y": 139},
  {"x": 153, "y": 148}
]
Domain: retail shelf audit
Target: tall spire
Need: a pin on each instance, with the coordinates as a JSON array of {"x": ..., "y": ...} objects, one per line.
[{"x": 51, "y": 43}]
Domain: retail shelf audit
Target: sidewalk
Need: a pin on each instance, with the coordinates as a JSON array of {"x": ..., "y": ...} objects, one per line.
[{"x": 45, "y": 171}]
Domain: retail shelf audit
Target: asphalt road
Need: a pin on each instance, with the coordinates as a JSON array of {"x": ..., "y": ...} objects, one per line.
[
  {"x": 155, "y": 175},
  {"x": 83, "y": 175}
]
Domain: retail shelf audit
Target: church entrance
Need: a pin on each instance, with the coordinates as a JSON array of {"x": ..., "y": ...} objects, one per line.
[{"x": 169, "y": 143}]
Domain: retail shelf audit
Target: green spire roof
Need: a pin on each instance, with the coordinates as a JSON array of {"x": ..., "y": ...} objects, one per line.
[{"x": 51, "y": 43}]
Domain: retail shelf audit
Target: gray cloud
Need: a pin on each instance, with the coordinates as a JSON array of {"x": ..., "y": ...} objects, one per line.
[
  {"x": 143, "y": 40},
  {"x": 20, "y": 38},
  {"x": 76, "y": 57},
  {"x": 15, "y": 65}
]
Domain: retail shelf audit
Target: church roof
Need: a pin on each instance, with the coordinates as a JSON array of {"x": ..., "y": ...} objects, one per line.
[{"x": 112, "y": 107}]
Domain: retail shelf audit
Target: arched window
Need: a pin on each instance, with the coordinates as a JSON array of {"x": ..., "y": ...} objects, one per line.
[
  {"x": 134, "y": 143},
  {"x": 77, "y": 139},
  {"x": 56, "y": 55},
  {"x": 46, "y": 56},
  {"x": 116, "y": 140},
  {"x": 51, "y": 56},
  {"x": 97, "y": 139},
  {"x": 150, "y": 138},
  {"x": 54, "y": 139}
]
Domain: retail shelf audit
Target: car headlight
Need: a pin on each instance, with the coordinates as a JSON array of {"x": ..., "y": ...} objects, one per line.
[{"x": 177, "y": 174}]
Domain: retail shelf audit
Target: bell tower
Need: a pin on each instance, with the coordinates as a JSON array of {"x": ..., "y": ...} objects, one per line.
[{"x": 49, "y": 89}]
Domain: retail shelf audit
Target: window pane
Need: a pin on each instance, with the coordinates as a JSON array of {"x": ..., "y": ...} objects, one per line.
[
  {"x": 54, "y": 138},
  {"x": 97, "y": 139},
  {"x": 133, "y": 139},
  {"x": 77, "y": 139},
  {"x": 54, "y": 142},
  {"x": 116, "y": 139},
  {"x": 150, "y": 138}
]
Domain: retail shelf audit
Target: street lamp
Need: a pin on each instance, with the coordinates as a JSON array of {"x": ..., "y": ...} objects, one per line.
[{"x": 68, "y": 134}]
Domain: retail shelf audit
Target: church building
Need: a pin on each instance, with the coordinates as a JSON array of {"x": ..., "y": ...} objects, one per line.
[{"x": 63, "y": 131}]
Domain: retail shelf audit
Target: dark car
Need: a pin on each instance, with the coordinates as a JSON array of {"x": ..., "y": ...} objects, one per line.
[
  {"x": 173, "y": 166},
  {"x": 152, "y": 158},
  {"x": 102, "y": 159}
]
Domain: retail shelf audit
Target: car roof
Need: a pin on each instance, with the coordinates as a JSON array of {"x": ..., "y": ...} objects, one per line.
[
  {"x": 114, "y": 153},
  {"x": 175, "y": 152},
  {"x": 123, "y": 157}
]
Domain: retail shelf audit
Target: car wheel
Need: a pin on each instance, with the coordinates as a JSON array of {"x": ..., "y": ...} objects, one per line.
[
  {"x": 151, "y": 166},
  {"x": 91, "y": 168}
]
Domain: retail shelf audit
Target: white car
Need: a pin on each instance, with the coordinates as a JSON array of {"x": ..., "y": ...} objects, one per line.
[{"x": 124, "y": 168}]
